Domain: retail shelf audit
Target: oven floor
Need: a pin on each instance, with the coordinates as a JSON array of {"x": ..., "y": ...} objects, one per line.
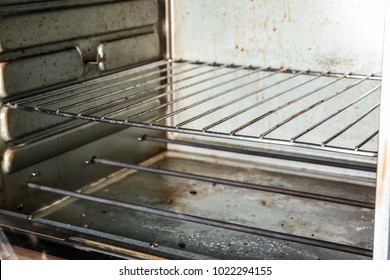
[{"x": 304, "y": 217}]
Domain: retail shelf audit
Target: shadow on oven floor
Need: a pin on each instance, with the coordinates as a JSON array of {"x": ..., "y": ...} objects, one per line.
[{"x": 332, "y": 222}]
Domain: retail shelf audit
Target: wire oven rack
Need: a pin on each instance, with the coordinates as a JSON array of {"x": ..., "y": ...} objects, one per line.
[{"x": 316, "y": 110}]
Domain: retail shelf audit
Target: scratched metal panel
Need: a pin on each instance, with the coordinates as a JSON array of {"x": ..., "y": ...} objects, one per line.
[
  {"x": 66, "y": 138},
  {"x": 69, "y": 170},
  {"x": 338, "y": 36},
  {"x": 17, "y": 123},
  {"x": 39, "y": 71},
  {"x": 44, "y": 27},
  {"x": 17, "y": 6},
  {"x": 124, "y": 52}
]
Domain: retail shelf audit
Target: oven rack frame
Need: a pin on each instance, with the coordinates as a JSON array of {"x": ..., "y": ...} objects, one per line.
[{"x": 166, "y": 85}]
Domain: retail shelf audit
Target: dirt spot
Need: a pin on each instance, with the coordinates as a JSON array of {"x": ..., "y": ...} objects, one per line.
[
  {"x": 169, "y": 195},
  {"x": 319, "y": 228},
  {"x": 266, "y": 203}
]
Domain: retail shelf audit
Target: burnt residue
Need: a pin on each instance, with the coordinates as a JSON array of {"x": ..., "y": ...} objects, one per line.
[
  {"x": 267, "y": 203},
  {"x": 239, "y": 48},
  {"x": 169, "y": 195}
]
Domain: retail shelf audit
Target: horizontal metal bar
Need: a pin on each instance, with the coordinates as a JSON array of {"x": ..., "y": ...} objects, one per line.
[
  {"x": 350, "y": 125},
  {"x": 335, "y": 113},
  {"x": 28, "y": 226},
  {"x": 239, "y": 184},
  {"x": 206, "y": 221},
  {"x": 221, "y": 135},
  {"x": 273, "y": 154},
  {"x": 234, "y": 131},
  {"x": 312, "y": 106}
]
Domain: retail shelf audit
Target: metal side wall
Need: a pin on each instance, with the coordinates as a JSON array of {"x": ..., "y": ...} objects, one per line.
[{"x": 382, "y": 209}]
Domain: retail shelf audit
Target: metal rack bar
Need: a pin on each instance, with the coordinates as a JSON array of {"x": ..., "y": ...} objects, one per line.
[
  {"x": 335, "y": 114},
  {"x": 207, "y": 221},
  {"x": 129, "y": 97},
  {"x": 191, "y": 94},
  {"x": 133, "y": 86},
  {"x": 222, "y": 135},
  {"x": 310, "y": 107},
  {"x": 234, "y": 131},
  {"x": 169, "y": 93},
  {"x": 216, "y": 180},
  {"x": 365, "y": 141},
  {"x": 105, "y": 107},
  {"x": 65, "y": 90},
  {"x": 350, "y": 125},
  {"x": 215, "y": 95},
  {"x": 258, "y": 104},
  {"x": 235, "y": 100}
]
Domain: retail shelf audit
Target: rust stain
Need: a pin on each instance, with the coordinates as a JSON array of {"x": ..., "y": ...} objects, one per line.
[
  {"x": 266, "y": 203},
  {"x": 381, "y": 172},
  {"x": 169, "y": 195},
  {"x": 119, "y": 249},
  {"x": 169, "y": 201},
  {"x": 287, "y": 14},
  {"x": 319, "y": 228},
  {"x": 296, "y": 223},
  {"x": 3, "y": 64},
  {"x": 177, "y": 196}
]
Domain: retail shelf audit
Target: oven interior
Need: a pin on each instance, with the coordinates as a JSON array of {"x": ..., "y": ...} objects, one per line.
[{"x": 177, "y": 129}]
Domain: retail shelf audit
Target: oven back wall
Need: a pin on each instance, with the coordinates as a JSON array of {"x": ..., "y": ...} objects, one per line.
[{"x": 337, "y": 36}]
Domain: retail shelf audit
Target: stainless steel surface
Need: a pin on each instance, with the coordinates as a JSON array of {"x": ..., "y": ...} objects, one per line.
[
  {"x": 260, "y": 153},
  {"x": 239, "y": 184},
  {"x": 341, "y": 36},
  {"x": 17, "y": 30},
  {"x": 186, "y": 115},
  {"x": 67, "y": 169},
  {"x": 382, "y": 208},
  {"x": 48, "y": 50},
  {"x": 199, "y": 114},
  {"x": 205, "y": 221},
  {"x": 35, "y": 72},
  {"x": 128, "y": 51},
  {"x": 277, "y": 214}
]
